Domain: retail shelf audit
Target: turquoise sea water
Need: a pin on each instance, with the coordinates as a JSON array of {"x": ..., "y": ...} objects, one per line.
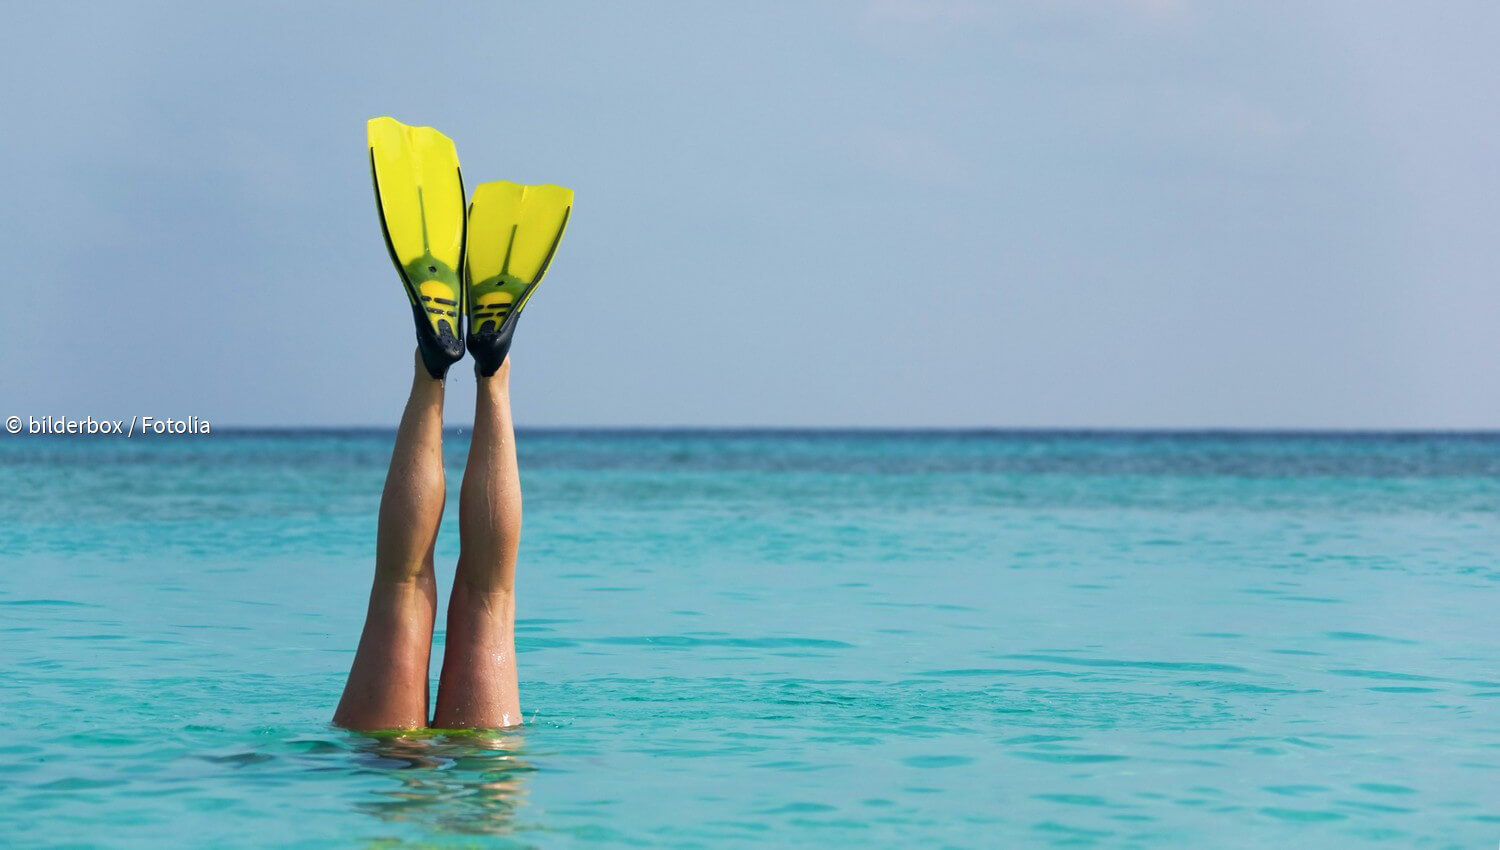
[{"x": 784, "y": 639}]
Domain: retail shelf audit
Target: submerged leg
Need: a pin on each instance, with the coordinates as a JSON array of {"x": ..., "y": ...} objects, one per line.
[
  {"x": 478, "y": 686},
  {"x": 387, "y": 686}
]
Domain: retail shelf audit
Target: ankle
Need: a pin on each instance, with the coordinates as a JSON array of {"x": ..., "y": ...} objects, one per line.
[{"x": 501, "y": 375}]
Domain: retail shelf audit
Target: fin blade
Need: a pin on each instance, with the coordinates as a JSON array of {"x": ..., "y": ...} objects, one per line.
[{"x": 516, "y": 229}]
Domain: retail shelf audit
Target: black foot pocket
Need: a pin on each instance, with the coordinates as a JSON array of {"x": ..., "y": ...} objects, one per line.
[
  {"x": 441, "y": 348},
  {"x": 490, "y": 348}
]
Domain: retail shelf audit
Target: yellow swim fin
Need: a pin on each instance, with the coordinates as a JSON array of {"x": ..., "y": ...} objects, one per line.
[
  {"x": 420, "y": 194},
  {"x": 513, "y": 233}
]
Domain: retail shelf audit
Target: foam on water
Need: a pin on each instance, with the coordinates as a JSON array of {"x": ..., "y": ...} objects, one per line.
[{"x": 789, "y": 639}]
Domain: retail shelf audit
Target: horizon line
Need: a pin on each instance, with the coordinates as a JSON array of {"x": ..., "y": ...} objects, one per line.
[{"x": 1121, "y": 430}]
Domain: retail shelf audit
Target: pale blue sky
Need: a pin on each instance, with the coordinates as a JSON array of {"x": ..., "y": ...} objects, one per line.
[{"x": 1136, "y": 213}]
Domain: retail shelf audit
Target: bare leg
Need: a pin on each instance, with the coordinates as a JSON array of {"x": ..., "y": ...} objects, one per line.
[
  {"x": 478, "y": 687},
  {"x": 387, "y": 686}
]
